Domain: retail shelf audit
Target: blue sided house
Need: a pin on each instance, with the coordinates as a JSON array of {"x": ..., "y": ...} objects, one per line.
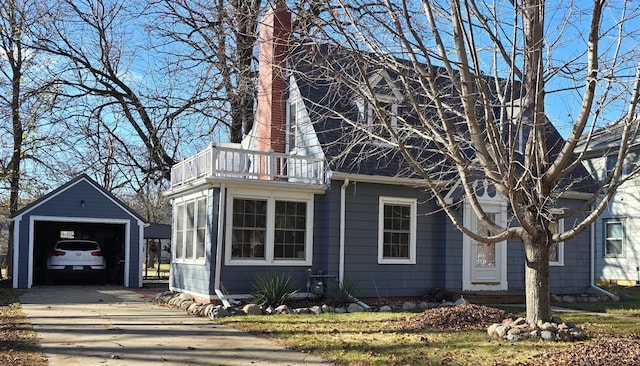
[{"x": 293, "y": 199}]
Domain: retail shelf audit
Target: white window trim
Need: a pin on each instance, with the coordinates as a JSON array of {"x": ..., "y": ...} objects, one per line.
[
  {"x": 270, "y": 197},
  {"x": 560, "y": 249},
  {"x": 413, "y": 203},
  {"x": 183, "y": 201},
  {"x": 624, "y": 239}
]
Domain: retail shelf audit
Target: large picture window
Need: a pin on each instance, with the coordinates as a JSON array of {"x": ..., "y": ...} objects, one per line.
[
  {"x": 397, "y": 231},
  {"x": 269, "y": 230},
  {"x": 190, "y": 232},
  {"x": 614, "y": 238}
]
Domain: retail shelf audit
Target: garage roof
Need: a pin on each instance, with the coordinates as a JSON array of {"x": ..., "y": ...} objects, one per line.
[{"x": 81, "y": 178}]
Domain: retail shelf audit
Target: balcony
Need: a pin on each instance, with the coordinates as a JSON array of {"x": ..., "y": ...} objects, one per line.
[{"x": 224, "y": 162}]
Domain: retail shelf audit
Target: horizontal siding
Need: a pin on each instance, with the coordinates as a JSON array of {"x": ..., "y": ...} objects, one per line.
[
  {"x": 67, "y": 204},
  {"x": 361, "y": 244},
  {"x": 571, "y": 278}
]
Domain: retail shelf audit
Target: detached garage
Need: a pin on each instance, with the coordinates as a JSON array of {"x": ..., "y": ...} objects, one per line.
[{"x": 80, "y": 209}]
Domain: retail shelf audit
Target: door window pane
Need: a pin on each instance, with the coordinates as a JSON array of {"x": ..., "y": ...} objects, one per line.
[{"x": 485, "y": 252}]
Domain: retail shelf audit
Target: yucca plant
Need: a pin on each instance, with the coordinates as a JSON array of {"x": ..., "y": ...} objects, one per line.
[
  {"x": 272, "y": 290},
  {"x": 343, "y": 294}
]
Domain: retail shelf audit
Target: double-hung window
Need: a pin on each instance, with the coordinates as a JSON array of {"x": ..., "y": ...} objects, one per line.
[
  {"x": 272, "y": 229},
  {"x": 190, "y": 233},
  {"x": 614, "y": 238},
  {"x": 397, "y": 230},
  {"x": 556, "y": 251}
]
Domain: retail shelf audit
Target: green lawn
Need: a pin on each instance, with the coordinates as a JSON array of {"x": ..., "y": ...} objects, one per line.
[
  {"x": 377, "y": 339},
  {"x": 153, "y": 271},
  {"x": 629, "y": 306}
]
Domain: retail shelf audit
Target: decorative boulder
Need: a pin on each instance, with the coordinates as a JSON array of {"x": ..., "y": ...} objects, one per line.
[{"x": 252, "y": 309}]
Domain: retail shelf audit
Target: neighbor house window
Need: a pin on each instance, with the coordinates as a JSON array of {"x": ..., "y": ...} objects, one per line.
[
  {"x": 397, "y": 231},
  {"x": 610, "y": 164},
  {"x": 276, "y": 229},
  {"x": 190, "y": 229},
  {"x": 556, "y": 251},
  {"x": 614, "y": 238}
]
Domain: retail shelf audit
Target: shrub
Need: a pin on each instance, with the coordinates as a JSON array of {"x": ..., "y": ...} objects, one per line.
[
  {"x": 272, "y": 290},
  {"x": 341, "y": 295}
]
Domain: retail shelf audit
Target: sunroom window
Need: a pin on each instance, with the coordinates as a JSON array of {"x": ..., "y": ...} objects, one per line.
[
  {"x": 190, "y": 233},
  {"x": 273, "y": 230}
]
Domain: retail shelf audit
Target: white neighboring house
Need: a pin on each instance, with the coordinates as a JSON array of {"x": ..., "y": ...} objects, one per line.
[{"x": 617, "y": 245}]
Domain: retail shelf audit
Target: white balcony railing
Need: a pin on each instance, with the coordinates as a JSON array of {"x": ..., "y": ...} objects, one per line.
[{"x": 230, "y": 162}]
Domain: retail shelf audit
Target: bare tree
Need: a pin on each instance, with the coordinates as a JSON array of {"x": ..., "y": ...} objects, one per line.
[
  {"x": 128, "y": 95},
  {"x": 219, "y": 36},
  {"x": 479, "y": 85},
  {"x": 25, "y": 98}
]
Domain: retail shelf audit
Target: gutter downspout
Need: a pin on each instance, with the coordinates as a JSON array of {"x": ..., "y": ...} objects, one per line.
[
  {"x": 592, "y": 275},
  {"x": 220, "y": 238},
  {"x": 342, "y": 224}
]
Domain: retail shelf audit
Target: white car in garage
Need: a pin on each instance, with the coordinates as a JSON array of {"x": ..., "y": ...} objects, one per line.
[{"x": 77, "y": 258}]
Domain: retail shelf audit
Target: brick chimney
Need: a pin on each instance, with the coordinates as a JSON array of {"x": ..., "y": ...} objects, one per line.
[{"x": 275, "y": 29}]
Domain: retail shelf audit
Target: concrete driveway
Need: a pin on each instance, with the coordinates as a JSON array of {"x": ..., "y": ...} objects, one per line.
[{"x": 107, "y": 325}]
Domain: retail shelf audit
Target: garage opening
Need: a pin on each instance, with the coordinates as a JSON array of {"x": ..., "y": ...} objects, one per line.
[{"x": 111, "y": 238}]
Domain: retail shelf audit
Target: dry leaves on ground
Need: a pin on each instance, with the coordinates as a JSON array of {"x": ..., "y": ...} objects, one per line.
[
  {"x": 599, "y": 352},
  {"x": 459, "y": 317},
  {"x": 18, "y": 342}
]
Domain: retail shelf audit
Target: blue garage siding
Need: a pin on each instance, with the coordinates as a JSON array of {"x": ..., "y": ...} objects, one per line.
[{"x": 79, "y": 201}]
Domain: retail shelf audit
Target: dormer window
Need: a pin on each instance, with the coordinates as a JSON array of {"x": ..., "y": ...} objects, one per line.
[
  {"x": 380, "y": 111},
  {"x": 383, "y": 109},
  {"x": 519, "y": 129}
]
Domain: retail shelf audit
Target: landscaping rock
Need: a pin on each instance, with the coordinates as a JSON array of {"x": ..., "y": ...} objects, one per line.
[
  {"x": 317, "y": 309},
  {"x": 409, "y": 305},
  {"x": 548, "y": 335},
  {"x": 385, "y": 308},
  {"x": 341, "y": 310},
  {"x": 218, "y": 312},
  {"x": 502, "y": 330},
  {"x": 326, "y": 308},
  {"x": 354, "y": 308},
  {"x": 282, "y": 309},
  {"x": 301, "y": 311},
  {"x": 514, "y": 337},
  {"x": 252, "y": 309},
  {"x": 568, "y": 299}
]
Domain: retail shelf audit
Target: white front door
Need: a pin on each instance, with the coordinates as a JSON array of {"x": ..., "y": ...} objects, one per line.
[{"x": 485, "y": 264}]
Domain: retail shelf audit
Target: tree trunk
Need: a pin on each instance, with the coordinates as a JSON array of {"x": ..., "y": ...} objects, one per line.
[{"x": 537, "y": 281}]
